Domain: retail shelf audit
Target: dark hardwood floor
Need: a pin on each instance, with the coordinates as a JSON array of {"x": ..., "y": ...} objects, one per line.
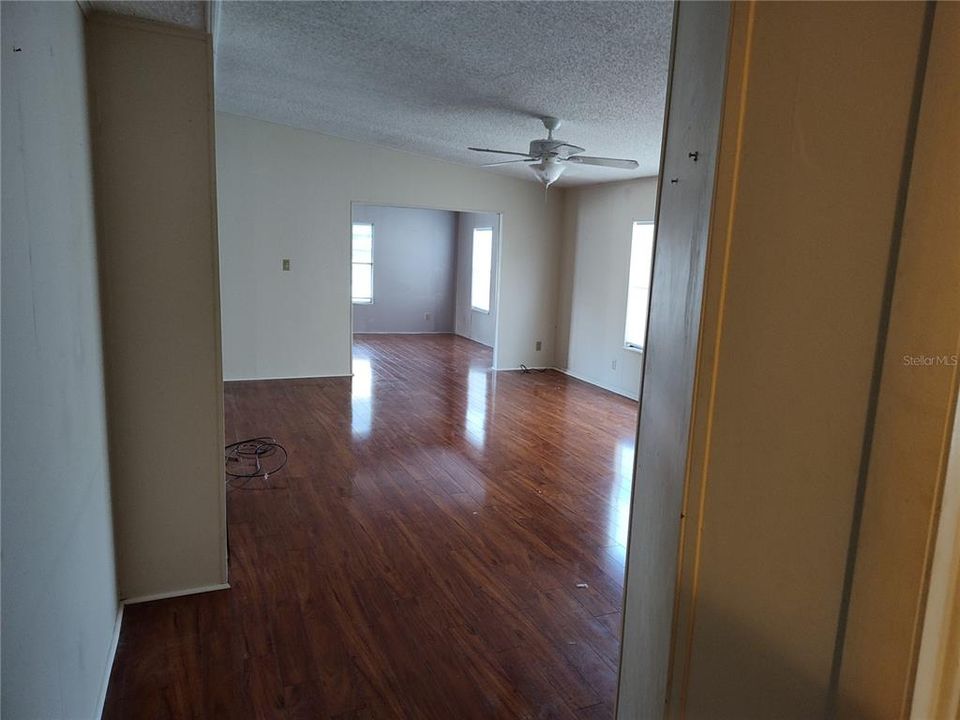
[{"x": 423, "y": 554}]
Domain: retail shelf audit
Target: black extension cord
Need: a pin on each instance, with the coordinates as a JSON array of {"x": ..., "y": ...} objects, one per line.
[
  {"x": 252, "y": 458},
  {"x": 524, "y": 369}
]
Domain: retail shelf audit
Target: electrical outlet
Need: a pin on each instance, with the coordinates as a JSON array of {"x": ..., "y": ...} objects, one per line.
[
  {"x": 285, "y": 264},
  {"x": 426, "y": 316},
  {"x": 539, "y": 345},
  {"x": 613, "y": 365}
]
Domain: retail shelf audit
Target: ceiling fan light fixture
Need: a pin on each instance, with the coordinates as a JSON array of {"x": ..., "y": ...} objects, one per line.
[
  {"x": 548, "y": 157},
  {"x": 548, "y": 171}
]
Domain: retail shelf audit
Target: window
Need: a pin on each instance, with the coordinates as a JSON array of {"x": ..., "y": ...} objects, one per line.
[
  {"x": 638, "y": 287},
  {"x": 482, "y": 267},
  {"x": 362, "y": 263}
]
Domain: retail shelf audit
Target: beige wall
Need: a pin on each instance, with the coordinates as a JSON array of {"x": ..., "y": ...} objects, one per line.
[
  {"x": 152, "y": 120},
  {"x": 59, "y": 603},
  {"x": 595, "y": 266},
  {"x": 286, "y": 193},
  {"x": 815, "y": 127},
  {"x": 915, "y": 409}
]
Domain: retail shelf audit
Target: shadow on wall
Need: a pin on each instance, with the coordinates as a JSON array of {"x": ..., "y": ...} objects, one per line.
[
  {"x": 596, "y": 257},
  {"x": 568, "y": 259},
  {"x": 763, "y": 681}
]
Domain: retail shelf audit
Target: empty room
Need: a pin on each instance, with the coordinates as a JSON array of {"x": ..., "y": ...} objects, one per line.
[
  {"x": 411, "y": 426},
  {"x": 495, "y": 359}
]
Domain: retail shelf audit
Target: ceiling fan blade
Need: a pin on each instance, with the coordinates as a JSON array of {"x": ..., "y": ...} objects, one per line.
[
  {"x": 499, "y": 152},
  {"x": 510, "y": 162},
  {"x": 604, "y": 162}
]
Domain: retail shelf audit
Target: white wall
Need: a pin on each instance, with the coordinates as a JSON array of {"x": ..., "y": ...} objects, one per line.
[
  {"x": 414, "y": 254},
  {"x": 156, "y": 222},
  {"x": 597, "y": 230},
  {"x": 286, "y": 193},
  {"x": 695, "y": 102},
  {"x": 474, "y": 324},
  {"x": 59, "y": 594}
]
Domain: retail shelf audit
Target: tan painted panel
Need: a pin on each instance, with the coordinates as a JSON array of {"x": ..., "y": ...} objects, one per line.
[
  {"x": 915, "y": 408},
  {"x": 152, "y": 126},
  {"x": 794, "y": 303},
  {"x": 936, "y": 692}
]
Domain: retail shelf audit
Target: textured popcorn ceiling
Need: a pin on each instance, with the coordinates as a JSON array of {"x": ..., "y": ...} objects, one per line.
[
  {"x": 435, "y": 77},
  {"x": 176, "y": 12}
]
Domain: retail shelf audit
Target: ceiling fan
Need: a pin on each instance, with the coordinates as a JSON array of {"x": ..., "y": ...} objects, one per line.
[{"x": 548, "y": 158}]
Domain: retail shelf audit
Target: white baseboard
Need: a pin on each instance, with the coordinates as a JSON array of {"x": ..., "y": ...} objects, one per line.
[
  {"x": 404, "y": 332},
  {"x": 111, "y": 656},
  {"x": 176, "y": 593},
  {"x": 291, "y": 377},
  {"x": 529, "y": 367},
  {"x": 600, "y": 385}
]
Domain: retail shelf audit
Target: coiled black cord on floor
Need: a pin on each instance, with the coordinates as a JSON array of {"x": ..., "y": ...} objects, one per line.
[
  {"x": 524, "y": 369},
  {"x": 252, "y": 458}
]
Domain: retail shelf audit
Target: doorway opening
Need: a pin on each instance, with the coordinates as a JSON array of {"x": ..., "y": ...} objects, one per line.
[{"x": 423, "y": 282}]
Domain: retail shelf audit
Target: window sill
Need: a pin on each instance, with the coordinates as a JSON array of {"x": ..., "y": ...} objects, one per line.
[
  {"x": 362, "y": 302},
  {"x": 478, "y": 310},
  {"x": 633, "y": 348}
]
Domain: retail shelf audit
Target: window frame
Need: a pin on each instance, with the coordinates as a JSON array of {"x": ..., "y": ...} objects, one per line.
[
  {"x": 354, "y": 300},
  {"x": 634, "y": 347},
  {"x": 473, "y": 254}
]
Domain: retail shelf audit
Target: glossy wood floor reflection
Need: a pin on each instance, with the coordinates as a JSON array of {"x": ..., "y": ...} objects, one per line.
[{"x": 421, "y": 556}]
